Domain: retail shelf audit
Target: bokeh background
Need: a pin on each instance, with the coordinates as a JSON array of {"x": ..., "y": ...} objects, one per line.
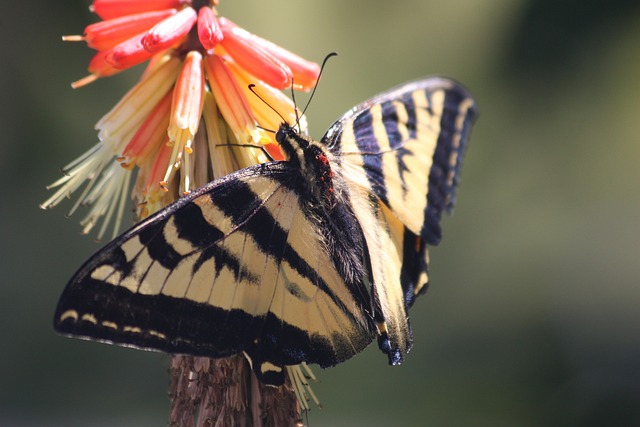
[{"x": 532, "y": 318}]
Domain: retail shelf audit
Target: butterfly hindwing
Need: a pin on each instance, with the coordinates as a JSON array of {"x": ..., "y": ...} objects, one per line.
[
  {"x": 400, "y": 154},
  {"x": 239, "y": 265}
]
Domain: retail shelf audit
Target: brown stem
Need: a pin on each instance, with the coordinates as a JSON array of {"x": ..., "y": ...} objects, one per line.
[{"x": 225, "y": 393}]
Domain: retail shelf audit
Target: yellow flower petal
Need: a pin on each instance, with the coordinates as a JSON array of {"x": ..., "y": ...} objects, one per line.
[
  {"x": 188, "y": 98},
  {"x": 124, "y": 119}
]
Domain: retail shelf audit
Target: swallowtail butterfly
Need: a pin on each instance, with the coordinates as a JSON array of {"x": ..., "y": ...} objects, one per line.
[{"x": 303, "y": 260}]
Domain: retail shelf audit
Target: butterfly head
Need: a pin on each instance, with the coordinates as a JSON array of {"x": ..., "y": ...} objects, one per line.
[
  {"x": 312, "y": 160},
  {"x": 293, "y": 143}
]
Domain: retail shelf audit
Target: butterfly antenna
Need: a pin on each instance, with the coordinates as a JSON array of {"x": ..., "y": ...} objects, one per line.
[
  {"x": 258, "y": 146},
  {"x": 324, "y": 62},
  {"x": 265, "y": 129},
  {"x": 251, "y": 88},
  {"x": 295, "y": 105}
]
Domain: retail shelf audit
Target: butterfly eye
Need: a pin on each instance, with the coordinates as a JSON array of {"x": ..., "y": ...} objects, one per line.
[{"x": 280, "y": 135}]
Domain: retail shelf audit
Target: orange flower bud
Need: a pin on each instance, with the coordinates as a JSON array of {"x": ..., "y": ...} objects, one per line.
[
  {"x": 209, "y": 31},
  {"x": 232, "y": 103},
  {"x": 107, "y": 34},
  {"x": 239, "y": 44},
  {"x": 169, "y": 31},
  {"x": 108, "y": 9},
  {"x": 188, "y": 98},
  {"x": 305, "y": 73},
  {"x": 128, "y": 53}
]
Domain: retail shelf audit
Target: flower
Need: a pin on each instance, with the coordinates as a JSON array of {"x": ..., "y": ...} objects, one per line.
[
  {"x": 200, "y": 67},
  {"x": 190, "y": 119}
]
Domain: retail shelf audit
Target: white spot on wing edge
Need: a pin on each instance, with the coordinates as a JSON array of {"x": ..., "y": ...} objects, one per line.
[
  {"x": 269, "y": 367},
  {"x": 69, "y": 314},
  {"x": 157, "y": 334},
  {"x": 108, "y": 324},
  {"x": 89, "y": 318}
]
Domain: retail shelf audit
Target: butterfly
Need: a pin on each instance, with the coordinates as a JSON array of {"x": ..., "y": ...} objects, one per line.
[{"x": 309, "y": 259}]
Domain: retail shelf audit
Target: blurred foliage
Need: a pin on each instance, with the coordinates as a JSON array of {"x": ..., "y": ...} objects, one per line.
[
  {"x": 532, "y": 315},
  {"x": 550, "y": 34}
]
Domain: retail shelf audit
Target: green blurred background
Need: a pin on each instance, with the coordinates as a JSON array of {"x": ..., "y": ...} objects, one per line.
[{"x": 532, "y": 318}]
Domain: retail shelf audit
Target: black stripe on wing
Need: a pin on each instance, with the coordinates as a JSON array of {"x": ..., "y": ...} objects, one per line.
[
  {"x": 364, "y": 135},
  {"x": 444, "y": 177}
]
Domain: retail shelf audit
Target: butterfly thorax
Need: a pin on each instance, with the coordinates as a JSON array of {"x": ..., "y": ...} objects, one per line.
[
  {"x": 312, "y": 160},
  {"x": 325, "y": 202}
]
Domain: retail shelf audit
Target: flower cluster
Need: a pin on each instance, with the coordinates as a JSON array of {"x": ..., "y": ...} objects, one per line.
[{"x": 191, "y": 117}]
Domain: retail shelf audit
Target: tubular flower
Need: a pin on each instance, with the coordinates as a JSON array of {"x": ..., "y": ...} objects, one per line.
[
  {"x": 193, "y": 56},
  {"x": 191, "y": 117}
]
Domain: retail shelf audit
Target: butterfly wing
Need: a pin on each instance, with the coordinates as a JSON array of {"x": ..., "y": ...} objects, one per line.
[
  {"x": 400, "y": 154},
  {"x": 237, "y": 266}
]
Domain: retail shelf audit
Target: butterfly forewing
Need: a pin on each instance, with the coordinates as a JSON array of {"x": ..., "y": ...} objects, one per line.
[
  {"x": 406, "y": 146},
  {"x": 239, "y": 265}
]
